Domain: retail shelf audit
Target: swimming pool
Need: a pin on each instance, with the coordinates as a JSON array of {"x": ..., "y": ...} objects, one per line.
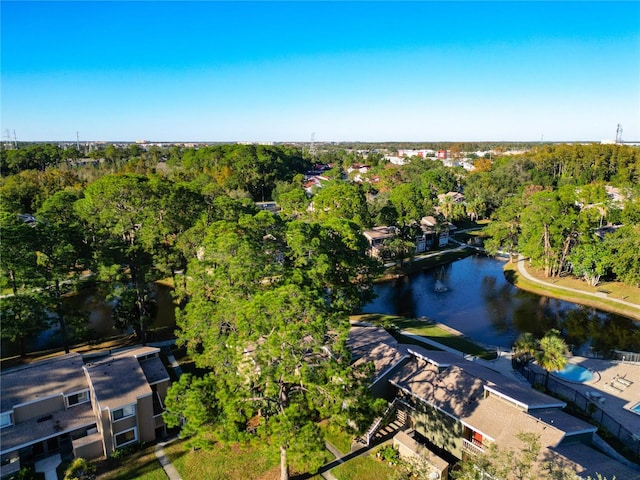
[
  {"x": 574, "y": 373},
  {"x": 636, "y": 409}
]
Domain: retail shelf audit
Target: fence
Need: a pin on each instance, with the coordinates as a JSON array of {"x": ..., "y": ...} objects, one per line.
[
  {"x": 590, "y": 407},
  {"x": 626, "y": 356}
]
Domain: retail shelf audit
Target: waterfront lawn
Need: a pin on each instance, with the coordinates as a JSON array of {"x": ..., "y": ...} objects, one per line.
[
  {"x": 425, "y": 329},
  {"x": 452, "y": 340},
  {"x": 426, "y": 261},
  {"x": 604, "y": 291}
]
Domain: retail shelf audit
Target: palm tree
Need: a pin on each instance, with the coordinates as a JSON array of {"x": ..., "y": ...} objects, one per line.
[
  {"x": 525, "y": 347},
  {"x": 551, "y": 353}
]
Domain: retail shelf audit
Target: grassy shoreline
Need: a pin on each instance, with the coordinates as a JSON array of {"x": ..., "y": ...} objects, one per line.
[
  {"x": 604, "y": 291},
  {"x": 422, "y": 327}
]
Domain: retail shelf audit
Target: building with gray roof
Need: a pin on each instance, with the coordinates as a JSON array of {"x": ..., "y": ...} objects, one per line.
[
  {"x": 66, "y": 406},
  {"x": 462, "y": 408}
]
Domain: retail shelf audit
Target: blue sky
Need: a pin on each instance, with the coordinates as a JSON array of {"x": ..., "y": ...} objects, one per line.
[{"x": 346, "y": 71}]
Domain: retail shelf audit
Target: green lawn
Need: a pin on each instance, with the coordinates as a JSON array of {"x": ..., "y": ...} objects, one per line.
[
  {"x": 365, "y": 467},
  {"x": 221, "y": 462},
  {"x": 615, "y": 290},
  {"x": 229, "y": 462},
  {"x": 425, "y": 329},
  {"x": 140, "y": 465},
  {"x": 337, "y": 437}
]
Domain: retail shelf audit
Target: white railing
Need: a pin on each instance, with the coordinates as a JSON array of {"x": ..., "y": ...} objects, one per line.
[
  {"x": 376, "y": 425},
  {"x": 472, "y": 447}
]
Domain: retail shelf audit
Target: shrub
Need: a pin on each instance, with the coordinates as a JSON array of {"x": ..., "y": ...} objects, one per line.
[{"x": 80, "y": 469}]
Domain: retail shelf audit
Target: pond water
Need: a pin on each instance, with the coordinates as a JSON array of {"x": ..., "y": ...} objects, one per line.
[
  {"x": 474, "y": 297},
  {"x": 470, "y": 295},
  {"x": 94, "y": 313}
]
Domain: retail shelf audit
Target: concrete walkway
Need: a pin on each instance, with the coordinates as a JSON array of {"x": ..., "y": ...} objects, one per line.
[
  {"x": 502, "y": 364},
  {"x": 599, "y": 295},
  {"x": 169, "y": 469},
  {"x": 48, "y": 466}
]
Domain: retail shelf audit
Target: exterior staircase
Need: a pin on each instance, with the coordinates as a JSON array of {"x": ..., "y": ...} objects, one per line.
[{"x": 386, "y": 425}]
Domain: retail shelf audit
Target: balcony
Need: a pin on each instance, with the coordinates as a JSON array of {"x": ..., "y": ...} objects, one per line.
[
  {"x": 473, "y": 447},
  {"x": 10, "y": 466}
]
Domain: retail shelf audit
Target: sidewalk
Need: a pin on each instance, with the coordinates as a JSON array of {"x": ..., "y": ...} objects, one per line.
[
  {"x": 599, "y": 295},
  {"x": 502, "y": 364},
  {"x": 169, "y": 469}
]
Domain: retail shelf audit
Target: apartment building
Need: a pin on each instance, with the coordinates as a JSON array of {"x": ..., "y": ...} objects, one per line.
[
  {"x": 79, "y": 407},
  {"x": 460, "y": 408}
]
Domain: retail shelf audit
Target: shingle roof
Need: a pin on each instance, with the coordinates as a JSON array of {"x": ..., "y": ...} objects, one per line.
[
  {"x": 118, "y": 381},
  {"x": 490, "y": 403},
  {"x": 154, "y": 370},
  {"x": 587, "y": 461},
  {"x": 519, "y": 392},
  {"x": 373, "y": 344},
  {"x": 56, "y": 423},
  {"x": 503, "y": 422},
  {"x": 42, "y": 379}
]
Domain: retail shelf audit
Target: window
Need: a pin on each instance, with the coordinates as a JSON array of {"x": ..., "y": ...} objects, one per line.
[
  {"x": 6, "y": 419},
  {"x": 126, "y": 437},
  {"x": 77, "y": 398},
  {"x": 124, "y": 412}
]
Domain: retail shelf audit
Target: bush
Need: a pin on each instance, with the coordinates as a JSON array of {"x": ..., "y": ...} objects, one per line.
[
  {"x": 389, "y": 455},
  {"x": 25, "y": 473},
  {"x": 80, "y": 469}
]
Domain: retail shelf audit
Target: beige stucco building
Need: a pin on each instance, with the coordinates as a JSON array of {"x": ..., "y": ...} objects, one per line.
[{"x": 77, "y": 407}]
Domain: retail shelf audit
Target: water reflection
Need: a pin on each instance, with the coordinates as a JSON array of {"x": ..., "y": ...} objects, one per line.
[
  {"x": 482, "y": 304},
  {"x": 90, "y": 318}
]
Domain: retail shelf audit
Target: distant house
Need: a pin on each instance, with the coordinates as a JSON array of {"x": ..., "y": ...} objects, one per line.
[
  {"x": 313, "y": 183},
  {"x": 433, "y": 229},
  {"x": 28, "y": 219},
  {"x": 616, "y": 195},
  {"x": 76, "y": 408},
  {"x": 431, "y": 232},
  {"x": 456, "y": 197},
  {"x": 379, "y": 238},
  {"x": 602, "y": 232},
  {"x": 357, "y": 167},
  {"x": 396, "y": 160},
  {"x": 272, "y": 207},
  {"x": 422, "y": 153}
]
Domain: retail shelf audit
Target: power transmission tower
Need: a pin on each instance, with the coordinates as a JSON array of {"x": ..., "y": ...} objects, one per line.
[
  {"x": 619, "y": 135},
  {"x": 312, "y": 147}
]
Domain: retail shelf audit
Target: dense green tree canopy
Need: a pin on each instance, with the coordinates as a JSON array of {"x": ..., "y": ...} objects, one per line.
[{"x": 272, "y": 328}]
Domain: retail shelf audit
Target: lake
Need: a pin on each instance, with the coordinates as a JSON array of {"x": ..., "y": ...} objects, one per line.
[
  {"x": 470, "y": 295},
  {"x": 473, "y": 296}
]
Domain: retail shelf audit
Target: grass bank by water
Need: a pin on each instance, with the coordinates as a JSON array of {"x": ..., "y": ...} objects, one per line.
[
  {"x": 438, "y": 333},
  {"x": 605, "y": 293}
]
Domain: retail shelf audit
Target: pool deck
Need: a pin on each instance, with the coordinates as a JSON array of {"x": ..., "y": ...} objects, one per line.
[{"x": 618, "y": 383}]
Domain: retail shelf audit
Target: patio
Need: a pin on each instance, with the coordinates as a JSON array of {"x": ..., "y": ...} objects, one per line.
[{"x": 615, "y": 388}]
